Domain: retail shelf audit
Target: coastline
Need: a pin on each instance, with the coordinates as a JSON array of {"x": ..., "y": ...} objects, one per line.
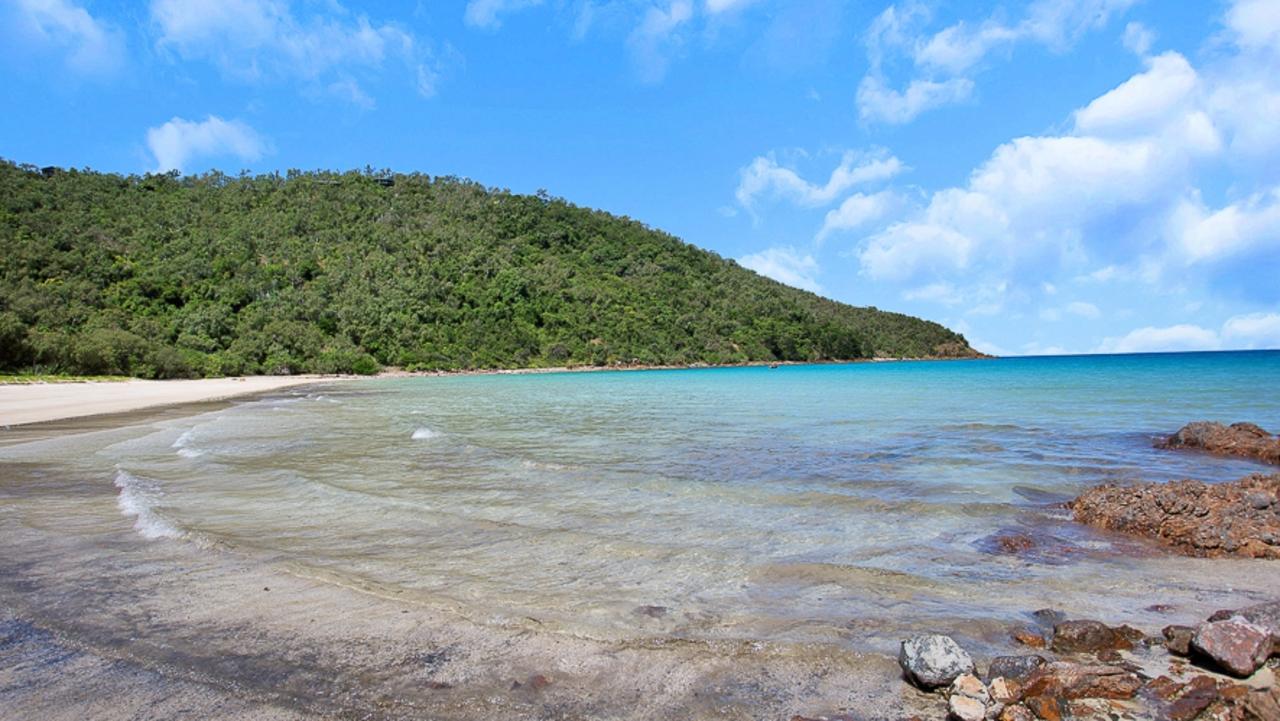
[
  {"x": 28, "y": 403},
  {"x": 41, "y": 402}
]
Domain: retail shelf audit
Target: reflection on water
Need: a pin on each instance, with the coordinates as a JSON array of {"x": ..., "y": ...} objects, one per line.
[{"x": 745, "y": 503}]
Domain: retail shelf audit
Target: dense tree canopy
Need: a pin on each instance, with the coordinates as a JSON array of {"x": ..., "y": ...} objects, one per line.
[{"x": 168, "y": 276}]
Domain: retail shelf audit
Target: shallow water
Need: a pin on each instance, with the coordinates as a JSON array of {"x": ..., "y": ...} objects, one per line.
[{"x": 793, "y": 505}]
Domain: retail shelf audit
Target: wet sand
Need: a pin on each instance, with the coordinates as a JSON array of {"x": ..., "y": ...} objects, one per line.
[{"x": 41, "y": 402}]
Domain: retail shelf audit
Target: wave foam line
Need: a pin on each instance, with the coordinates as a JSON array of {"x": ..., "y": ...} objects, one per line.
[{"x": 138, "y": 498}]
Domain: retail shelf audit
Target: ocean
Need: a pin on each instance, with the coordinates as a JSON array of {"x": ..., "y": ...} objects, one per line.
[{"x": 844, "y": 504}]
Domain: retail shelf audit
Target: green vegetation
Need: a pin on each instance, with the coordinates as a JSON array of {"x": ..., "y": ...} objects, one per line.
[
  {"x": 164, "y": 276},
  {"x": 20, "y": 379}
]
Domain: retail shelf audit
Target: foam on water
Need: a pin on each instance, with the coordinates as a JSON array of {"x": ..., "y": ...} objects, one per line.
[
  {"x": 138, "y": 499},
  {"x": 424, "y": 433}
]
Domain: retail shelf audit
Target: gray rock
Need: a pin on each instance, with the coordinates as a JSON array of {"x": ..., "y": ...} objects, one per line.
[
  {"x": 1178, "y": 639},
  {"x": 1017, "y": 668},
  {"x": 933, "y": 660}
]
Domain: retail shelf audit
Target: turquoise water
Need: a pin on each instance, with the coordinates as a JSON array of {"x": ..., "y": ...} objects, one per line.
[{"x": 793, "y": 504}]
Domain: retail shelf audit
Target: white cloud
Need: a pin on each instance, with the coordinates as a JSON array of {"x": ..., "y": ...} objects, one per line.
[
  {"x": 856, "y": 211},
  {"x": 1182, "y": 337},
  {"x": 92, "y": 46},
  {"x": 943, "y": 293},
  {"x": 877, "y": 101},
  {"x": 716, "y": 7},
  {"x": 1083, "y": 309},
  {"x": 262, "y": 40},
  {"x": 765, "y": 177},
  {"x": 785, "y": 265},
  {"x": 656, "y": 38},
  {"x": 179, "y": 141},
  {"x": 487, "y": 13},
  {"x": 944, "y": 61},
  {"x": 1244, "y": 227},
  {"x": 1138, "y": 38},
  {"x": 1255, "y": 330},
  {"x": 1142, "y": 101},
  {"x": 1241, "y": 332}
]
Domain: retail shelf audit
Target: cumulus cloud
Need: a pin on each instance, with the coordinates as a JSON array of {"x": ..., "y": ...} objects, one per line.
[
  {"x": 488, "y": 14},
  {"x": 657, "y": 37},
  {"x": 92, "y": 46},
  {"x": 785, "y": 265},
  {"x": 942, "y": 63},
  {"x": 1118, "y": 194},
  {"x": 857, "y": 211},
  {"x": 263, "y": 40},
  {"x": 176, "y": 143},
  {"x": 766, "y": 177},
  {"x": 1242, "y": 332}
]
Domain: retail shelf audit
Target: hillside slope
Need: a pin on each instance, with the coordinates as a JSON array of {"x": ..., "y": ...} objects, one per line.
[{"x": 162, "y": 276}]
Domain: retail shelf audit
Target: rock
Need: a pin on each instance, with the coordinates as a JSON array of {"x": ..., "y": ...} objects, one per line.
[
  {"x": 1238, "y": 439},
  {"x": 1177, "y": 639},
  {"x": 1027, "y": 637},
  {"x": 1015, "y": 668},
  {"x": 933, "y": 660},
  {"x": 969, "y": 685},
  {"x": 1063, "y": 679},
  {"x": 1016, "y": 712},
  {"x": 651, "y": 611},
  {"x": 1049, "y": 616},
  {"x": 1261, "y": 705},
  {"x": 1194, "y": 697},
  {"x": 1266, "y": 615},
  {"x": 1046, "y": 708},
  {"x": 1091, "y": 636},
  {"x": 963, "y": 708},
  {"x": 1003, "y": 690},
  {"x": 1235, "y": 645},
  {"x": 1191, "y": 517}
]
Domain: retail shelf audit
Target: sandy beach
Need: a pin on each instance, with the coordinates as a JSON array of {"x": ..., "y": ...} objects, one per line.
[{"x": 21, "y": 404}]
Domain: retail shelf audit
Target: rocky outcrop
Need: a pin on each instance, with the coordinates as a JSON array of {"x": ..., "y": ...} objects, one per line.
[
  {"x": 1238, "y": 439},
  {"x": 932, "y": 660},
  {"x": 1240, "y": 518}
]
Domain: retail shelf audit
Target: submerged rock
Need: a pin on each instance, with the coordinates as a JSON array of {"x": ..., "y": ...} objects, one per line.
[
  {"x": 932, "y": 660},
  {"x": 1092, "y": 637},
  {"x": 1238, "y": 439},
  {"x": 1192, "y": 517},
  {"x": 1235, "y": 645}
]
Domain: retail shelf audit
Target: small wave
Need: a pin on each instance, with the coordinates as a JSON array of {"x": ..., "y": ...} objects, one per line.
[
  {"x": 423, "y": 434},
  {"x": 138, "y": 498},
  {"x": 190, "y": 452},
  {"x": 183, "y": 440}
]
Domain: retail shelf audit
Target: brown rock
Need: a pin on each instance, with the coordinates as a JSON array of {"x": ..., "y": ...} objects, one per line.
[
  {"x": 1161, "y": 688},
  {"x": 1089, "y": 636},
  {"x": 1046, "y": 708},
  {"x": 1030, "y": 638},
  {"x": 1074, "y": 680},
  {"x": 1191, "y": 517},
  {"x": 1014, "y": 668},
  {"x": 1238, "y": 439},
  {"x": 1266, "y": 615},
  {"x": 969, "y": 685},
  {"x": 1016, "y": 712},
  {"x": 1235, "y": 645},
  {"x": 1194, "y": 697},
  {"x": 1261, "y": 706},
  {"x": 1177, "y": 639}
]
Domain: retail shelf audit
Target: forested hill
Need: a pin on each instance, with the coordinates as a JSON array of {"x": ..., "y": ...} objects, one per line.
[{"x": 167, "y": 276}]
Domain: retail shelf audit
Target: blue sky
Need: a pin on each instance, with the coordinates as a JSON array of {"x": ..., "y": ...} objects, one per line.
[{"x": 1045, "y": 176}]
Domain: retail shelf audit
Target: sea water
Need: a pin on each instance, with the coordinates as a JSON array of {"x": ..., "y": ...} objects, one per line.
[{"x": 793, "y": 504}]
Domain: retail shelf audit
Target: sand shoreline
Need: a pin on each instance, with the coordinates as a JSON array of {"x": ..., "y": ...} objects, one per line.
[
  {"x": 39, "y": 402},
  {"x": 24, "y": 404}
]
